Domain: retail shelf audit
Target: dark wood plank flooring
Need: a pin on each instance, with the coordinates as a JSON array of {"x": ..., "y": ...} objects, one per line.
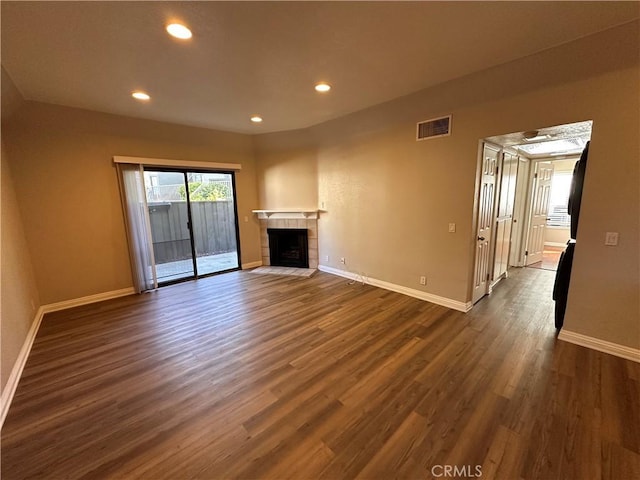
[{"x": 259, "y": 376}]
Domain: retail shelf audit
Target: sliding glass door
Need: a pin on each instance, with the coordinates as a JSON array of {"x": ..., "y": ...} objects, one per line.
[
  {"x": 213, "y": 216},
  {"x": 169, "y": 219},
  {"x": 193, "y": 223}
]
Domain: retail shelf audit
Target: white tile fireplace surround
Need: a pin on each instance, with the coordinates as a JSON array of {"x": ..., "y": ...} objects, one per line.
[{"x": 287, "y": 218}]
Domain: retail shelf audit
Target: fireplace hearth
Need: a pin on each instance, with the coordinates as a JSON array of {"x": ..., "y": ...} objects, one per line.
[{"x": 288, "y": 247}]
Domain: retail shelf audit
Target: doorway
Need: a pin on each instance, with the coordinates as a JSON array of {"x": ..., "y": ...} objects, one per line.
[
  {"x": 554, "y": 176},
  {"x": 193, "y": 223},
  {"x": 528, "y": 217}
]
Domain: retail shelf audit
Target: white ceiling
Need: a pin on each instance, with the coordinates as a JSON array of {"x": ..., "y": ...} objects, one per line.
[{"x": 263, "y": 58}]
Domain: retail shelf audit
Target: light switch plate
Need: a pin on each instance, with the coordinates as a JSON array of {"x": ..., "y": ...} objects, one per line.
[
  {"x": 452, "y": 228},
  {"x": 611, "y": 239}
]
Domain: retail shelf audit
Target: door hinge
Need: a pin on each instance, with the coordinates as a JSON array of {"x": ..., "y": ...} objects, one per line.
[
  {"x": 526, "y": 253},
  {"x": 535, "y": 175},
  {"x": 487, "y": 277}
]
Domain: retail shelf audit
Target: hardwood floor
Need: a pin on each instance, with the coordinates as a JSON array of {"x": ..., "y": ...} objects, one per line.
[
  {"x": 550, "y": 258},
  {"x": 258, "y": 376}
]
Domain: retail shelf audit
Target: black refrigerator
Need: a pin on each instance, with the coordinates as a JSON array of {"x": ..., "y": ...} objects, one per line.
[{"x": 563, "y": 275}]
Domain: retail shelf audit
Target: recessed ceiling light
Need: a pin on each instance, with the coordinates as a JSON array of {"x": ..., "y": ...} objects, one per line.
[
  {"x": 322, "y": 87},
  {"x": 256, "y": 119},
  {"x": 179, "y": 31},
  {"x": 140, "y": 96}
]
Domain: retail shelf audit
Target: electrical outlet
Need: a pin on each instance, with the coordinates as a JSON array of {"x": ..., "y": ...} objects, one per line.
[
  {"x": 342, "y": 260},
  {"x": 326, "y": 258},
  {"x": 452, "y": 228},
  {"x": 423, "y": 280},
  {"x": 611, "y": 239}
]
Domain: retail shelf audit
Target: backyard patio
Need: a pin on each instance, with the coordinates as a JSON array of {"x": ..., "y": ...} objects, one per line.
[{"x": 207, "y": 264}]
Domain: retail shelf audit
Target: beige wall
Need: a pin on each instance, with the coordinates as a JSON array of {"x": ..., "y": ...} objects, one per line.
[
  {"x": 563, "y": 165},
  {"x": 11, "y": 98},
  {"x": 287, "y": 168},
  {"x": 19, "y": 298},
  {"x": 389, "y": 199},
  {"x": 604, "y": 294},
  {"x": 68, "y": 194},
  {"x": 556, "y": 236}
]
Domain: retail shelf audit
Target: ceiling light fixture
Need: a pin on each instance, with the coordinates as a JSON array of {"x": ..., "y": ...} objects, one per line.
[
  {"x": 537, "y": 138},
  {"x": 179, "y": 31},
  {"x": 256, "y": 119},
  {"x": 322, "y": 87},
  {"x": 534, "y": 136},
  {"x": 138, "y": 95}
]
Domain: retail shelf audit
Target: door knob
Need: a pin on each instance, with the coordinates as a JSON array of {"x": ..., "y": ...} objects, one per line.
[{"x": 481, "y": 239}]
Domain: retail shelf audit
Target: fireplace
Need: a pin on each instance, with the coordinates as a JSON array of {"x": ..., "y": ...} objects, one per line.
[
  {"x": 288, "y": 219},
  {"x": 288, "y": 247}
]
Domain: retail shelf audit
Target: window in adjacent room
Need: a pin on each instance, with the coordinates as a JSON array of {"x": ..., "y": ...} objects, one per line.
[{"x": 558, "y": 215}]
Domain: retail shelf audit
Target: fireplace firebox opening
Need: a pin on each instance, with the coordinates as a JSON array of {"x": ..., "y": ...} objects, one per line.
[{"x": 288, "y": 247}]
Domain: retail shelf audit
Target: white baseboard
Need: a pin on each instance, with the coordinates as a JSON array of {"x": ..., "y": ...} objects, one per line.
[
  {"x": 16, "y": 372},
  {"x": 555, "y": 244},
  {"x": 622, "y": 351},
  {"x": 247, "y": 266},
  {"x": 411, "y": 292},
  {"x": 98, "y": 297}
]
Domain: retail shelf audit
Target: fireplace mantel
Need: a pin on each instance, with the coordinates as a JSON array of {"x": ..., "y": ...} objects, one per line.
[{"x": 300, "y": 213}]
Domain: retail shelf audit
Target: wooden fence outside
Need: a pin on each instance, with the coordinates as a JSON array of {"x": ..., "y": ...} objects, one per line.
[{"x": 213, "y": 229}]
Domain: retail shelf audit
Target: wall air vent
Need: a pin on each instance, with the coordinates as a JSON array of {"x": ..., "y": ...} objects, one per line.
[{"x": 436, "y": 127}]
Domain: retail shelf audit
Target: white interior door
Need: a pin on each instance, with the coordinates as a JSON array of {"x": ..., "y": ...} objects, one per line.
[
  {"x": 519, "y": 233},
  {"x": 539, "y": 210},
  {"x": 504, "y": 214},
  {"x": 485, "y": 221}
]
